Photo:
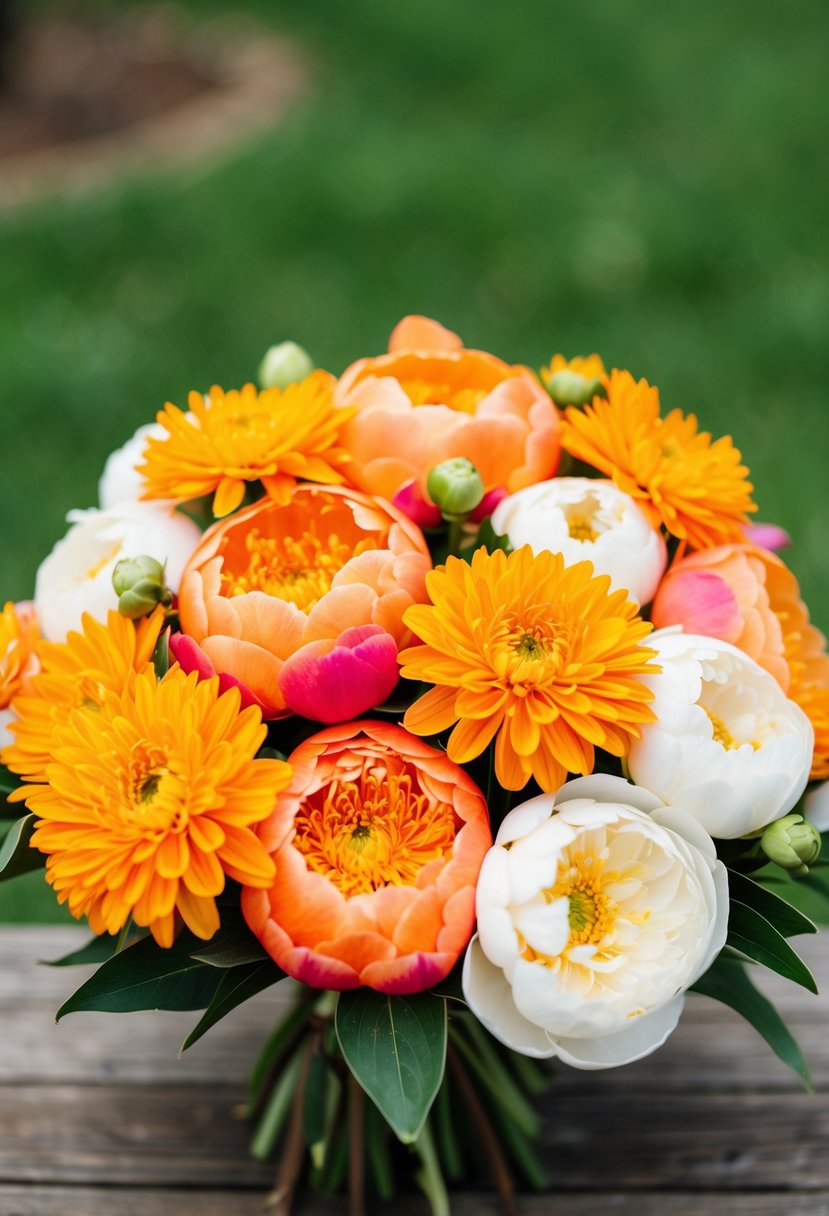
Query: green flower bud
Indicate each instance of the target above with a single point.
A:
(139, 585)
(793, 843)
(284, 364)
(570, 388)
(455, 487)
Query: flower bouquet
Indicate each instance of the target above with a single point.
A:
(466, 698)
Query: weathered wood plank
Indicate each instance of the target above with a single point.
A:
(126, 1136)
(712, 1050)
(83, 1201)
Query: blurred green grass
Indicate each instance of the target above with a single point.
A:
(648, 181)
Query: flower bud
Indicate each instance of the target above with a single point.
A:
(455, 487)
(567, 387)
(793, 843)
(139, 585)
(284, 364)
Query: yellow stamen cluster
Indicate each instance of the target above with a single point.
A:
(297, 570)
(378, 829)
(430, 392)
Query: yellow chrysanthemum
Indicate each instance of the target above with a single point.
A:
(149, 805)
(539, 653)
(697, 489)
(236, 437)
(76, 673)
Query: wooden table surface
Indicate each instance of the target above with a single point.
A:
(98, 1115)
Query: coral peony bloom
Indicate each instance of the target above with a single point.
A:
(76, 674)
(727, 745)
(231, 438)
(586, 519)
(597, 908)
(430, 399)
(747, 596)
(149, 805)
(697, 489)
(76, 577)
(540, 654)
(273, 579)
(19, 634)
(377, 843)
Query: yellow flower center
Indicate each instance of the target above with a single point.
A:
(430, 392)
(581, 528)
(98, 566)
(532, 648)
(152, 799)
(591, 912)
(375, 831)
(299, 571)
(722, 735)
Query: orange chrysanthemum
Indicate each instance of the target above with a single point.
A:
(697, 489)
(538, 652)
(149, 805)
(805, 649)
(18, 635)
(76, 673)
(236, 437)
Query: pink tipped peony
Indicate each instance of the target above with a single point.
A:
(332, 680)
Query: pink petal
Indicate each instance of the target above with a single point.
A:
(699, 601)
(488, 503)
(768, 536)
(336, 681)
(412, 502)
(190, 657)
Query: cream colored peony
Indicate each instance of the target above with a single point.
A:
(727, 744)
(597, 908)
(76, 577)
(120, 480)
(585, 519)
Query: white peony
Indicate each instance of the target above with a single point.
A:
(120, 480)
(597, 908)
(587, 519)
(76, 577)
(816, 806)
(728, 745)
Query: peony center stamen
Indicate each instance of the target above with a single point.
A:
(722, 735)
(375, 831)
(591, 911)
(299, 570)
(433, 392)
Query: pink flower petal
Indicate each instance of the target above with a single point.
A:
(488, 503)
(335, 681)
(699, 601)
(190, 657)
(768, 536)
(410, 500)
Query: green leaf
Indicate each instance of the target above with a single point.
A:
(96, 950)
(230, 947)
(146, 976)
(757, 938)
(787, 920)
(236, 985)
(396, 1048)
(16, 853)
(727, 981)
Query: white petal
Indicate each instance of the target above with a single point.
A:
(603, 787)
(816, 806)
(489, 996)
(520, 821)
(639, 1038)
(544, 926)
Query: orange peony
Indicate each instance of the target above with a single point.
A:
(429, 399)
(747, 596)
(272, 582)
(377, 842)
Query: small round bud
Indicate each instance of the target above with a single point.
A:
(567, 387)
(284, 364)
(455, 487)
(139, 584)
(793, 843)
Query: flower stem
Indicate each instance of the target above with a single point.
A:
(489, 1140)
(454, 536)
(429, 1177)
(356, 1149)
(281, 1198)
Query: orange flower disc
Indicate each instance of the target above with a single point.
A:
(378, 842)
(273, 578)
(539, 654)
(696, 488)
(430, 399)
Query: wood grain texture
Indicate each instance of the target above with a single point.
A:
(98, 1115)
